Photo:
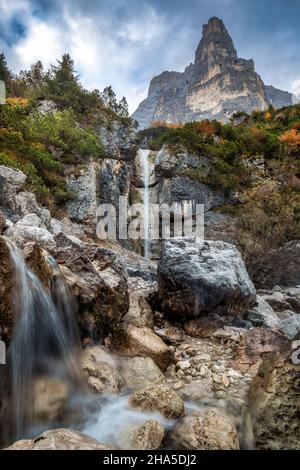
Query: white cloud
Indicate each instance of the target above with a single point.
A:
(296, 87)
(103, 55)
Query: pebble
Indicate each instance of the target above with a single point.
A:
(183, 365)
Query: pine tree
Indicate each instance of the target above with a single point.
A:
(63, 85)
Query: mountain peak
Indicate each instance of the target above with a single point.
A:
(216, 47)
(216, 86)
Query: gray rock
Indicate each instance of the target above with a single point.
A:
(26, 203)
(290, 324)
(196, 276)
(167, 163)
(24, 232)
(11, 182)
(182, 188)
(82, 208)
(262, 314)
(46, 106)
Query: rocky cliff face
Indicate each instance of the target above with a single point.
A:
(216, 85)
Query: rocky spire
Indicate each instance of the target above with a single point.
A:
(216, 48)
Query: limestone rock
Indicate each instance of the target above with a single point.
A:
(11, 182)
(101, 370)
(82, 208)
(160, 398)
(131, 341)
(98, 279)
(6, 283)
(262, 314)
(140, 372)
(31, 228)
(195, 276)
(60, 439)
(207, 429)
(290, 324)
(274, 404)
(146, 436)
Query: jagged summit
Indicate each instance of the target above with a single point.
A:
(216, 85)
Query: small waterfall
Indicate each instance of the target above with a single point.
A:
(45, 343)
(144, 155)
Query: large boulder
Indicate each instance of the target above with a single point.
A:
(207, 429)
(160, 398)
(195, 276)
(60, 439)
(274, 404)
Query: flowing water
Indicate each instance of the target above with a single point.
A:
(144, 156)
(45, 343)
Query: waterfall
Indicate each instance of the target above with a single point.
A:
(144, 155)
(45, 343)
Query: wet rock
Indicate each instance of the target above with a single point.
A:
(146, 436)
(194, 277)
(61, 439)
(50, 400)
(101, 370)
(131, 341)
(160, 398)
(139, 372)
(274, 404)
(2, 222)
(6, 284)
(207, 429)
(262, 314)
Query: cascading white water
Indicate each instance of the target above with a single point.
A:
(44, 343)
(144, 156)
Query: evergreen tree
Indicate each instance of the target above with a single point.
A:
(63, 85)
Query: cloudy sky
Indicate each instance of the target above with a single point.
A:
(126, 42)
